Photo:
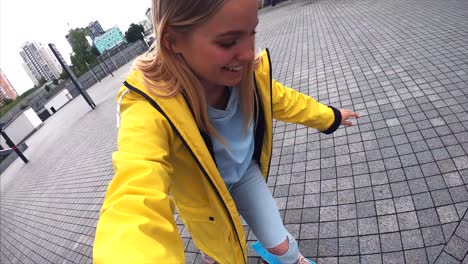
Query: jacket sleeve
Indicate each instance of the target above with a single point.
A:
(294, 107)
(136, 224)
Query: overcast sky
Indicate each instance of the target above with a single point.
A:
(48, 21)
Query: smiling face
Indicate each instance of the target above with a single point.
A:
(221, 48)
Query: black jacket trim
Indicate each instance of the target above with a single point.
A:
(271, 108)
(259, 126)
(205, 136)
(336, 123)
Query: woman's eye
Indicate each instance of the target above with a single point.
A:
(230, 44)
(227, 45)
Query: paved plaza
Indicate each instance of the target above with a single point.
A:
(391, 190)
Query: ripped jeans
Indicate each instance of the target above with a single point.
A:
(257, 206)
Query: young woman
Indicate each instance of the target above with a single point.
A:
(196, 131)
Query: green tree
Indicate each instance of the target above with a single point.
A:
(55, 82)
(64, 75)
(47, 88)
(78, 66)
(134, 33)
(82, 52)
(95, 51)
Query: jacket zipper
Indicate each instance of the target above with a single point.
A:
(155, 105)
(271, 108)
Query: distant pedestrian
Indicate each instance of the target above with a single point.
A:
(196, 132)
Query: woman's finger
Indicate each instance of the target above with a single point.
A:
(354, 114)
(350, 113)
(347, 123)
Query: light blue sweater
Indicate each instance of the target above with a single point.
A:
(233, 158)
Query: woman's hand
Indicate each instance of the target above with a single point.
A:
(345, 114)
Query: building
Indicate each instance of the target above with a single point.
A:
(109, 39)
(6, 89)
(149, 16)
(94, 30)
(40, 61)
(146, 26)
(32, 75)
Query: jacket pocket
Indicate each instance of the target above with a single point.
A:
(200, 223)
(208, 232)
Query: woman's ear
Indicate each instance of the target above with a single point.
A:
(171, 41)
(166, 40)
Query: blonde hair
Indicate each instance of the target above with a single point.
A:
(166, 73)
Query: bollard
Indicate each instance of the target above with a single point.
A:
(12, 145)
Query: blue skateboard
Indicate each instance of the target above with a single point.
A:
(267, 256)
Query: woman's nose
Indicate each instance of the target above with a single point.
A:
(246, 51)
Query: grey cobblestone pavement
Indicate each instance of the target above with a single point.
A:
(391, 190)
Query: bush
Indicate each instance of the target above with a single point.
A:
(4, 109)
(7, 101)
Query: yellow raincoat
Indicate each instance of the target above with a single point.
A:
(161, 151)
